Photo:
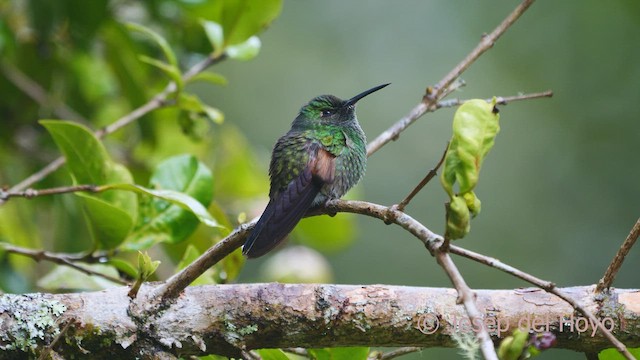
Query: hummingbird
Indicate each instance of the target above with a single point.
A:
(320, 158)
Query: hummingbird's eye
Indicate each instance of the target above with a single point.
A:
(326, 113)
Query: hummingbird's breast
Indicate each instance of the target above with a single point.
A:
(349, 147)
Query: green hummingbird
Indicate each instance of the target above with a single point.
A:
(320, 158)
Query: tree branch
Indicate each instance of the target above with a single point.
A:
(229, 319)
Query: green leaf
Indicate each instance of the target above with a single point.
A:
(475, 127)
(272, 354)
(123, 266)
(246, 50)
(193, 105)
(110, 214)
(215, 34)
(613, 354)
(216, 116)
(210, 77)
(513, 346)
(172, 68)
(183, 200)
(146, 266)
(341, 353)
(108, 224)
(158, 39)
(241, 19)
(171, 71)
(182, 188)
(473, 203)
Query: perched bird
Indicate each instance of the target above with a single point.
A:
(323, 155)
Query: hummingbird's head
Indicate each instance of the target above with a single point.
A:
(331, 109)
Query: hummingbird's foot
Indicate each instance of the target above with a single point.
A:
(391, 214)
(328, 205)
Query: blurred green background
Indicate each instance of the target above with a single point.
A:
(560, 188)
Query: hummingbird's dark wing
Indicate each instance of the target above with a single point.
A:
(288, 206)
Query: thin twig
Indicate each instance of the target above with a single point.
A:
(31, 193)
(500, 100)
(433, 172)
(38, 94)
(435, 94)
(156, 102)
(617, 261)
(61, 259)
(548, 287)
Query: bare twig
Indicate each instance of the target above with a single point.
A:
(61, 259)
(433, 172)
(31, 193)
(37, 93)
(617, 261)
(155, 103)
(500, 100)
(435, 94)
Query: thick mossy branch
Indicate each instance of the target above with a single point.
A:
(226, 319)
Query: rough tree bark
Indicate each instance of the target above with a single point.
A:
(224, 319)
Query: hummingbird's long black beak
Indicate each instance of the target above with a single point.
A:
(355, 99)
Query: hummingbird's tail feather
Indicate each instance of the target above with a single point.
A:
(282, 214)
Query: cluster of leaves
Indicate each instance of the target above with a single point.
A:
(475, 126)
(99, 60)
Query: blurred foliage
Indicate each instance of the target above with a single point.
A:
(89, 64)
